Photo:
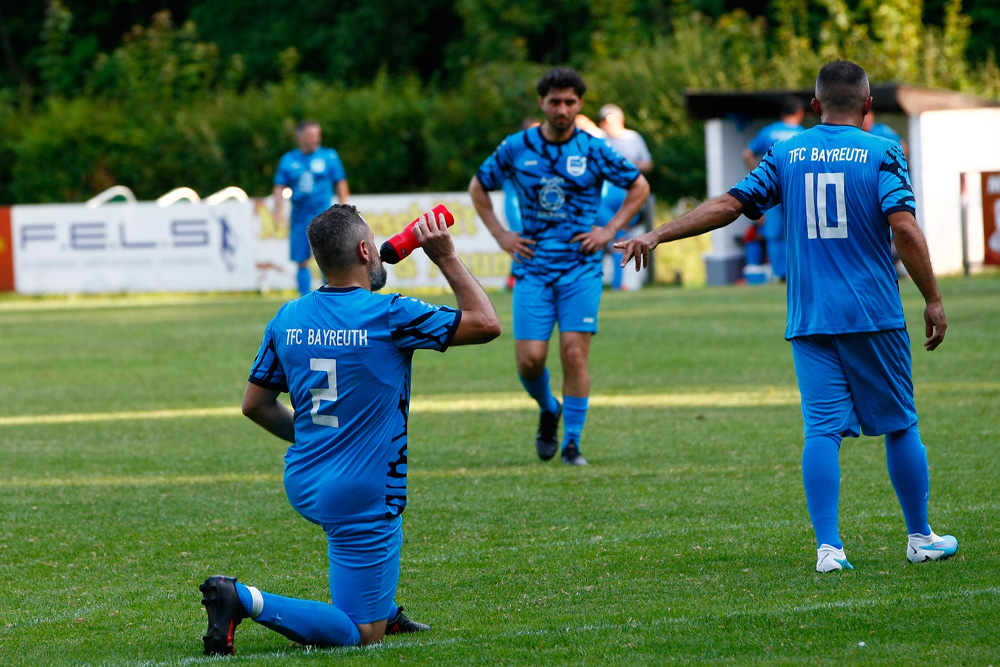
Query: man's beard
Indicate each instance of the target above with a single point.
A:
(377, 274)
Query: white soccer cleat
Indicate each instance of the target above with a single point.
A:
(930, 547)
(830, 559)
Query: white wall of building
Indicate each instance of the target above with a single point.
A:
(943, 144)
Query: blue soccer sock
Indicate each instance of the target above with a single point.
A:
(821, 478)
(906, 458)
(303, 621)
(304, 279)
(574, 416)
(540, 390)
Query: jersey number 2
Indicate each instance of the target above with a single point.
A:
(328, 393)
(817, 217)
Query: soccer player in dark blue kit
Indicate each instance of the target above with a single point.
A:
(845, 193)
(557, 172)
(313, 172)
(343, 354)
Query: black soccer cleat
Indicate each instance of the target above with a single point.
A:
(571, 455)
(403, 624)
(225, 611)
(546, 440)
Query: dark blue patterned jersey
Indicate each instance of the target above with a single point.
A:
(837, 185)
(343, 355)
(559, 190)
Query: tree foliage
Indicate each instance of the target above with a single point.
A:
(414, 96)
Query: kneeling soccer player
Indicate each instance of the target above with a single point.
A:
(343, 353)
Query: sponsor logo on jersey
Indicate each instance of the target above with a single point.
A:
(551, 197)
(576, 165)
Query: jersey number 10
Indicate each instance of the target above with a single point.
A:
(817, 217)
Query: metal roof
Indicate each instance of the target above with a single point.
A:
(888, 98)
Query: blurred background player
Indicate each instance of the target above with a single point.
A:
(843, 190)
(557, 172)
(883, 130)
(772, 227)
(343, 353)
(633, 148)
(313, 173)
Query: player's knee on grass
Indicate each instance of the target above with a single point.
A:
(372, 633)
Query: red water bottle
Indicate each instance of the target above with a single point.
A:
(401, 245)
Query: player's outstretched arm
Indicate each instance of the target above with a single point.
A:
(595, 240)
(712, 214)
(512, 243)
(912, 248)
(479, 323)
(262, 406)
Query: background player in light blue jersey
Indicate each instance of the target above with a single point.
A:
(844, 192)
(772, 226)
(343, 354)
(557, 172)
(313, 173)
(883, 130)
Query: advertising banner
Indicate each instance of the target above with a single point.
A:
(133, 247)
(6, 252)
(231, 246)
(386, 215)
(991, 217)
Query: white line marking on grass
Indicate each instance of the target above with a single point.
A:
(453, 403)
(137, 415)
(729, 398)
(133, 480)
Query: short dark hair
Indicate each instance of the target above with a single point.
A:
(303, 124)
(791, 105)
(561, 77)
(842, 86)
(334, 235)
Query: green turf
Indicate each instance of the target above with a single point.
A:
(686, 541)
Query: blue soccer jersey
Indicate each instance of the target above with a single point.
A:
(771, 134)
(343, 355)
(312, 179)
(836, 184)
(883, 130)
(559, 190)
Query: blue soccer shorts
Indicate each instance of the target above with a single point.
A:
(855, 380)
(298, 241)
(572, 300)
(364, 567)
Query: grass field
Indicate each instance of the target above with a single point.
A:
(129, 475)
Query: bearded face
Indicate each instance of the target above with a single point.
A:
(376, 272)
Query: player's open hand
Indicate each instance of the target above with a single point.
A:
(516, 245)
(936, 324)
(639, 248)
(433, 236)
(594, 240)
